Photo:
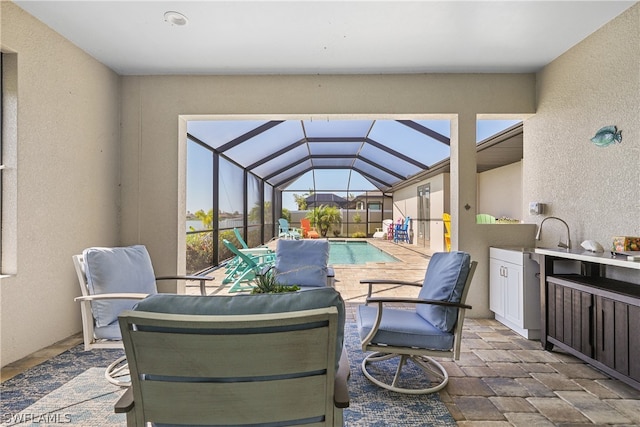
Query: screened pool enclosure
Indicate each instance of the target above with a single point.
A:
(246, 174)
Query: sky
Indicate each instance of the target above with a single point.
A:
(200, 168)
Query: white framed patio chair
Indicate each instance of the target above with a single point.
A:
(432, 328)
(246, 360)
(113, 280)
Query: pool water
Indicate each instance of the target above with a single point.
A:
(343, 252)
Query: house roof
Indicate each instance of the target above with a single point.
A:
(322, 198)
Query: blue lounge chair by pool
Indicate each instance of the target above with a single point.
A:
(241, 276)
(401, 233)
(286, 232)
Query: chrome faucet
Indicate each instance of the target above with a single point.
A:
(560, 244)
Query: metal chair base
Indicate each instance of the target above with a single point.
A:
(117, 373)
(427, 364)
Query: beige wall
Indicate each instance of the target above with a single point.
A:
(500, 191)
(67, 180)
(595, 189)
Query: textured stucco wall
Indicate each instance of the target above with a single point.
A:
(595, 189)
(67, 180)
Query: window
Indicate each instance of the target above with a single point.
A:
(8, 160)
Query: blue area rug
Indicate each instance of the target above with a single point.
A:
(70, 389)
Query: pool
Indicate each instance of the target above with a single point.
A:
(357, 252)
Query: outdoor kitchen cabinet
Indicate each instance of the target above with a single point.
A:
(514, 295)
(593, 317)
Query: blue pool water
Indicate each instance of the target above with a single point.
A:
(343, 252)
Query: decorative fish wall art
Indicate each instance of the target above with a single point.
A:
(606, 136)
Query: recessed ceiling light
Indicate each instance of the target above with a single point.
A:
(175, 18)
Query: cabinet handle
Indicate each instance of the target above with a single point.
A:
(602, 323)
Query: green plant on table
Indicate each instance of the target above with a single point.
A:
(268, 284)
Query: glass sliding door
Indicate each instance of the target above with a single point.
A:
(423, 220)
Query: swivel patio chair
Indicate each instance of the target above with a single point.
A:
(432, 329)
(113, 280)
(286, 232)
(251, 360)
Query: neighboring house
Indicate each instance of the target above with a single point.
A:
(326, 199)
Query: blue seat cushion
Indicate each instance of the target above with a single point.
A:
(249, 304)
(117, 270)
(402, 328)
(444, 281)
(302, 262)
(110, 332)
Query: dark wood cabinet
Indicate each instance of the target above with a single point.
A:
(595, 318)
(570, 317)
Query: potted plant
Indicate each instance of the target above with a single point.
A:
(268, 284)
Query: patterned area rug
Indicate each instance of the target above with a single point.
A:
(70, 389)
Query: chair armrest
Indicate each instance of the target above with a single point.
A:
(340, 389)
(390, 282)
(201, 279)
(125, 403)
(193, 278)
(372, 282)
(110, 296)
(380, 300)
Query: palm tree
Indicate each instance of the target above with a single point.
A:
(323, 217)
(206, 218)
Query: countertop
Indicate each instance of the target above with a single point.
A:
(596, 257)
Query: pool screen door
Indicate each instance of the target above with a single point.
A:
(423, 215)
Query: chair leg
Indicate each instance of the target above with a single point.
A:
(117, 373)
(430, 366)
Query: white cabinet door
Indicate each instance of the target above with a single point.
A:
(496, 287)
(512, 275)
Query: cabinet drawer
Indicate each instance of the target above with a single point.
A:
(514, 257)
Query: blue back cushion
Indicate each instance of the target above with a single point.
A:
(249, 304)
(302, 262)
(117, 270)
(444, 281)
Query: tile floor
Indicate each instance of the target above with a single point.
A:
(501, 378)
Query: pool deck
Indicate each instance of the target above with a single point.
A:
(412, 266)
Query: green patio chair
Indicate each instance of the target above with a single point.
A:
(286, 232)
(261, 250)
(485, 219)
(247, 270)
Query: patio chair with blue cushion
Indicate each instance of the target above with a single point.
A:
(113, 280)
(246, 360)
(286, 232)
(433, 328)
(303, 263)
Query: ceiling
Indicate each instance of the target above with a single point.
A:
(331, 37)
(325, 37)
